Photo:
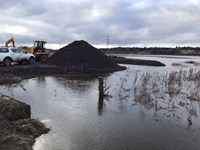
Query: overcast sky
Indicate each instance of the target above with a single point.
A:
(127, 22)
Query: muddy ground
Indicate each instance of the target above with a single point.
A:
(44, 69)
(123, 60)
(17, 130)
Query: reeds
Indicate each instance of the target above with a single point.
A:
(169, 89)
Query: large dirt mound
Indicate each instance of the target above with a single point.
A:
(80, 55)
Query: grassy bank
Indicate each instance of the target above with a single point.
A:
(18, 130)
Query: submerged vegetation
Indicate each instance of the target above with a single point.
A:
(171, 91)
(173, 86)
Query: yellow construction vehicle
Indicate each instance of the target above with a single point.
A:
(11, 40)
(39, 50)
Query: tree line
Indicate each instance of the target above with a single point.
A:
(153, 50)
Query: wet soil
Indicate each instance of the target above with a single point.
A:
(44, 69)
(17, 130)
(123, 60)
(47, 69)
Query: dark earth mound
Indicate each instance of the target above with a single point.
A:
(80, 55)
(123, 60)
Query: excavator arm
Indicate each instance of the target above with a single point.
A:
(11, 40)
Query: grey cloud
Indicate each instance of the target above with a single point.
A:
(127, 22)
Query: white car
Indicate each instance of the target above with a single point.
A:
(13, 54)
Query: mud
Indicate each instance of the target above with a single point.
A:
(49, 69)
(123, 60)
(44, 69)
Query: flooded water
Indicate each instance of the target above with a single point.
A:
(126, 119)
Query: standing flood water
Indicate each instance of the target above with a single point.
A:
(71, 108)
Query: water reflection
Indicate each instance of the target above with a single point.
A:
(41, 79)
(100, 105)
(101, 96)
(79, 85)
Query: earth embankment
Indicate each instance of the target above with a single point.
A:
(17, 130)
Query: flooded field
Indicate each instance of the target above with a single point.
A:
(145, 108)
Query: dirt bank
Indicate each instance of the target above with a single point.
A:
(44, 69)
(47, 69)
(123, 60)
(17, 130)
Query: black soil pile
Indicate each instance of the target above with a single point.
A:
(80, 56)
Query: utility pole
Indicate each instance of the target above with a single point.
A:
(107, 41)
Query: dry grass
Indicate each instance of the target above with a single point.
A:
(22, 132)
(14, 109)
(31, 127)
(142, 93)
(23, 135)
(15, 141)
(168, 90)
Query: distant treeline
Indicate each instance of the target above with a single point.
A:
(153, 50)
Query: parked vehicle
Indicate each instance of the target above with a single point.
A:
(13, 54)
(38, 49)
